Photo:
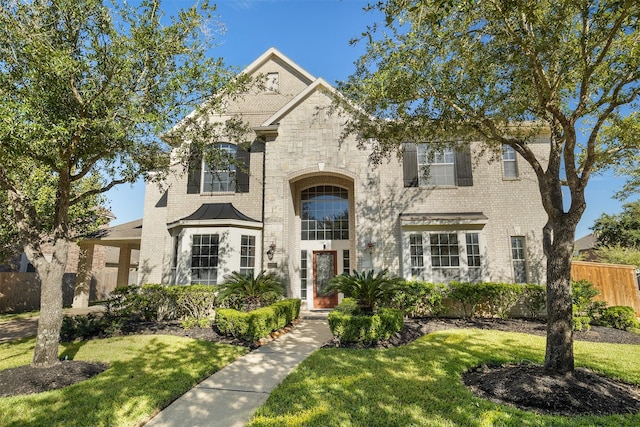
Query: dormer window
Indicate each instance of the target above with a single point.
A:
(273, 82)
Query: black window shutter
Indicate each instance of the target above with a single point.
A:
(194, 173)
(410, 165)
(242, 174)
(464, 173)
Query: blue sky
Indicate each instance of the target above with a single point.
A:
(315, 34)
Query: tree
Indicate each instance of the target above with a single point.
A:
(622, 229)
(85, 88)
(500, 72)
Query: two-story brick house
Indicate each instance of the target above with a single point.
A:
(313, 206)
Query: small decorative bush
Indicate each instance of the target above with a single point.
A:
(500, 298)
(369, 289)
(365, 329)
(256, 324)
(248, 293)
(194, 301)
(534, 299)
(348, 306)
(585, 309)
(619, 317)
(82, 327)
(420, 299)
(470, 295)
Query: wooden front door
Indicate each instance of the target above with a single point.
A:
(324, 269)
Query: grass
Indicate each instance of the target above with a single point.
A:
(146, 373)
(13, 316)
(420, 384)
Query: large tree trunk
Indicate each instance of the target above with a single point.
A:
(51, 275)
(559, 352)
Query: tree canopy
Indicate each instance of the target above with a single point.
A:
(87, 89)
(500, 72)
(621, 229)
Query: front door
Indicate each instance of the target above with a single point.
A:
(324, 269)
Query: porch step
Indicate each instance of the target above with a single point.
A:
(314, 314)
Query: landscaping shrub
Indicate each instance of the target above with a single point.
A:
(249, 292)
(500, 297)
(369, 289)
(150, 302)
(420, 299)
(194, 301)
(585, 309)
(619, 317)
(82, 326)
(470, 295)
(348, 306)
(365, 329)
(256, 324)
(534, 299)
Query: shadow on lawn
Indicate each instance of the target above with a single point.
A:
(418, 384)
(138, 382)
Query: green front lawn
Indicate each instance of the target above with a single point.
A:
(146, 373)
(420, 384)
(13, 316)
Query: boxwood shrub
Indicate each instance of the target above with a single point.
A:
(619, 317)
(365, 329)
(256, 324)
(420, 299)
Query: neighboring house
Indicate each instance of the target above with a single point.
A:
(312, 206)
(585, 248)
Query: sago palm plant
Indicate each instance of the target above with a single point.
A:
(369, 289)
(252, 291)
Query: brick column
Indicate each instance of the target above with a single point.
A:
(124, 266)
(83, 277)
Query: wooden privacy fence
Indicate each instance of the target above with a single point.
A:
(21, 291)
(618, 284)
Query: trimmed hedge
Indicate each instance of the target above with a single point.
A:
(619, 317)
(420, 299)
(258, 323)
(363, 329)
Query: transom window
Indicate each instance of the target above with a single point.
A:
(223, 177)
(204, 259)
(436, 168)
(325, 213)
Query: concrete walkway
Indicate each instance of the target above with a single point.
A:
(23, 328)
(230, 396)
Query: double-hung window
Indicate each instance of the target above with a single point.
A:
(204, 259)
(509, 162)
(424, 166)
(445, 256)
(221, 178)
(436, 168)
(247, 255)
(519, 259)
(227, 174)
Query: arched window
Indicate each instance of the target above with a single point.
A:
(325, 213)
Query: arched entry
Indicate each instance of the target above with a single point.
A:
(325, 220)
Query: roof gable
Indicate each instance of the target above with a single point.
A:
(273, 54)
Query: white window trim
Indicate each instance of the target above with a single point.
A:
(514, 161)
(423, 149)
(232, 168)
(428, 275)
